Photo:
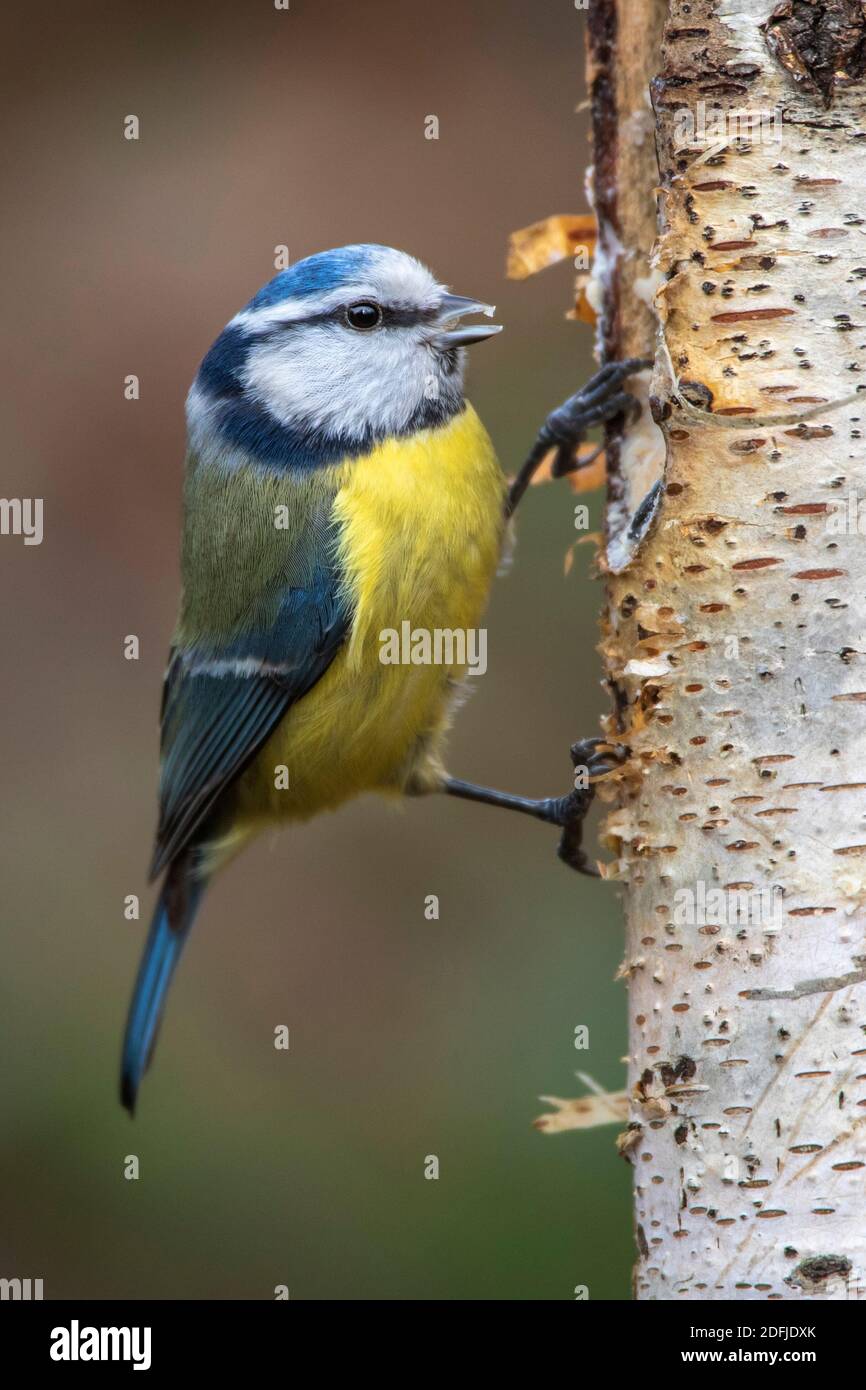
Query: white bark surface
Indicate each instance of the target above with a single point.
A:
(736, 642)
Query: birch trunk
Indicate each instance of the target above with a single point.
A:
(735, 633)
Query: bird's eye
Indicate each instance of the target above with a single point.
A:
(364, 315)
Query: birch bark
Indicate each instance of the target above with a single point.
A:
(735, 633)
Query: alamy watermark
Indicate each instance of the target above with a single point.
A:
(22, 516)
(703, 906)
(21, 1290)
(77, 1343)
(438, 646)
(716, 128)
(846, 516)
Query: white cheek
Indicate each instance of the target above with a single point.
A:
(201, 417)
(336, 381)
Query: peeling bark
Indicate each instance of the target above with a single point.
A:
(735, 635)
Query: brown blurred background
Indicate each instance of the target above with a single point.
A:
(408, 1037)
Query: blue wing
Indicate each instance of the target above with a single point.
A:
(221, 704)
(264, 613)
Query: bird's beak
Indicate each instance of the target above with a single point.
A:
(454, 306)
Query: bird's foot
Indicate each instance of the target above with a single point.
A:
(591, 758)
(565, 428)
(599, 400)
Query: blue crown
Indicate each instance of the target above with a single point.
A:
(318, 274)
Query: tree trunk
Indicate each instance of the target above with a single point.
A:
(735, 632)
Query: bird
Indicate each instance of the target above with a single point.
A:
(337, 485)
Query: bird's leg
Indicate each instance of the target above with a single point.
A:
(591, 757)
(565, 428)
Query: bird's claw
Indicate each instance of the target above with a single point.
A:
(592, 757)
(598, 401)
(597, 755)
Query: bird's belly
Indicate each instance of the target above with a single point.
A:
(421, 529)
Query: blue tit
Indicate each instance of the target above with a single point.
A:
(337, 485)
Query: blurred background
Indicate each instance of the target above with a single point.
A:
(409, 1037)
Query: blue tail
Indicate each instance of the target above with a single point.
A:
(175, 912)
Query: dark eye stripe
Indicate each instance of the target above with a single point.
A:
(393, 316)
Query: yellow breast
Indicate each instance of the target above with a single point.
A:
(420, 523)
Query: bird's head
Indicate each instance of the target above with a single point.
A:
(334, 354)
